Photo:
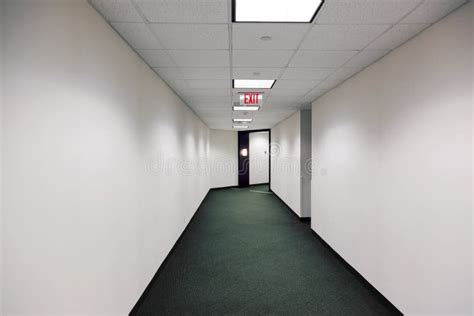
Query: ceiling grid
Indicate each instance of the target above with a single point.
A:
(194, 46)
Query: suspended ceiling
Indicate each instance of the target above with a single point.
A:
(194, 46)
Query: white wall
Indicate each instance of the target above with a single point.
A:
(285, 166)
(472, 167)
(1, 152)
(291, 161)
(98, 155)
(223, 158)
(258, 154)
(392, 152)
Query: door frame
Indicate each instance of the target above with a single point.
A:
(244, 162)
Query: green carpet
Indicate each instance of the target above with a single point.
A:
(244, 253)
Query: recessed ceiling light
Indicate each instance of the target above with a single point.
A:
(253, 84)
(275, 10)
(242, 120)
(241, 126)
(265, 38)
(245, 108)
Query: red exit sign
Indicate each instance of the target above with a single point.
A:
(251, 98)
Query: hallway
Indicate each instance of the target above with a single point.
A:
(236, 157)
(246, 253)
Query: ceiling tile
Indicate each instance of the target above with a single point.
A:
(207, 100)
(345, 72)
(206, 73)
(192, 36)
(226, 126)
(261, 58)
(169, 73)
(329, 83)
(314, 94)
(223, 113)
(432, 10)
(342, 37)
(197, 61)
(138, 35)
(283, 35)
(270, 110)
(274, 111)
(216, 120)
(290, 92)
(365, 11)
(396, 36)
(156, 58)
(244, 114)
(218, 123)
(209, 84)
(222, 108)
(306, 73)
(236, 96)
(266, 120)
(177, 84)
(184, 11)
(256, 73)
(269, 122)
(212, 114)
(117, 10)
(280, 102)
(206, 92)
(200, 58)
(323, 59)
(295, 84)
(216, 117)
(283, 112)
(365, 58)
(283, 99)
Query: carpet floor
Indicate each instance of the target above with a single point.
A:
(244, 253)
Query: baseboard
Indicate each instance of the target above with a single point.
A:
(353, 271)
(359, 276)
(303, 219)
(165, 261)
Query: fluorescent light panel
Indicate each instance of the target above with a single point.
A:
(241, 126)
(245, 108)
(242, 120)
(276, 10)
(253, 84)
